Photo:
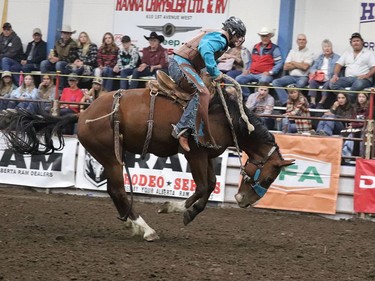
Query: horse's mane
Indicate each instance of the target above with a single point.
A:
(260, 133)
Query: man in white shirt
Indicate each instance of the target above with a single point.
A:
(359, 66)
(297, 63)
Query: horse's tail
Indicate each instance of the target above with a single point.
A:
(31, 133)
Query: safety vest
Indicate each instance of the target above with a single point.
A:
(189, 50)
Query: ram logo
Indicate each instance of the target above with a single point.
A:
(94, 171)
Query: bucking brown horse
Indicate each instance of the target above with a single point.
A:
(103, 126)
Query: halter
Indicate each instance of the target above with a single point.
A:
(254, 182)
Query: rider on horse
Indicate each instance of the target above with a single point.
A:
(201, 52)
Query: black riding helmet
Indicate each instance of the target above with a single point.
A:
(234, 26)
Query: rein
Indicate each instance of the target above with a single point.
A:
(256, 186)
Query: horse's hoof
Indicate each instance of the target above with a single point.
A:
(164, 208)
(151, 237)
(187, 218)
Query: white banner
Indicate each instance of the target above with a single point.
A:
(367, 23)
(165, 176)
(48, 171)
(176, 20)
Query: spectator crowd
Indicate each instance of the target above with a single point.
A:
(299, 83)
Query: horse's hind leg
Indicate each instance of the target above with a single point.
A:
(116, 190)
(202, 194)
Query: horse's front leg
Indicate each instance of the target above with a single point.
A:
(116, 190)
(202, 193)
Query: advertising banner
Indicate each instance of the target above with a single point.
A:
(164, 176)
(311, 183)
(49, 171)
(176, 20)
(364, 186)
(367, 23)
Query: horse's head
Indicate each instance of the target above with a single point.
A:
(259, 172)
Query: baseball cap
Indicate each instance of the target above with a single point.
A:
(125, 39)
(7, 25)
(356, 35)
(72, 77)
(97, 80)
(37, 30)
(6, 74)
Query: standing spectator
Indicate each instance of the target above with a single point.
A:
(154, 58)
(11, 50)
(265, 62)
(234, 61)
(359, 66)
(323, 68)
(26, 91)
(261, 102)
(297, 105)
(64, 52)
(36, 52)
(6, 88)
(297, 63)
(107, 59)
(86, 56)
(341, 108)
(128, 58)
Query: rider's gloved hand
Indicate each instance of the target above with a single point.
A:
(219, 78)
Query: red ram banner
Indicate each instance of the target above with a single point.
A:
(364, 186)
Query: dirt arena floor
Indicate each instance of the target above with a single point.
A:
(65, 237)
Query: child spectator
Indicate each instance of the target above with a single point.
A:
(85, 60)
(47, 91)
(95, 91)
(128, 60)
(297, 105)
(261, 102)
(106, 60)
(341, 108)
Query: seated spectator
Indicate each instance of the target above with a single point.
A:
(128, 59)
(106, 60)
(6, 88)
(95, 91)
(297, 105)
(11, 50)
(265, 62)
(27, 91)
(355, 129)
(64, 52)
(234, 61)
(359, 66)
(85, 60)
(36, 52)
(342, 108)
(297, 63)
(154, 58)
(261, 102)
(47, 91)
(321, 72)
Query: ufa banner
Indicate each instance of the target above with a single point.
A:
(176, 20)
(49, 171)
(311, 183)
(163, 176)
(364, 186)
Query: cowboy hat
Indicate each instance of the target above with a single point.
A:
(154, 35)
(266, 31)
(66, 28)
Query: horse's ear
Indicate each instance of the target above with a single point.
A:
(285, 163)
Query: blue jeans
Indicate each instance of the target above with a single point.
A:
(330, 127)
(354, 83)
(8, 64)
(124, 83)
(313, 84)
(300, 81)
(248, 78)
(46, 66)
(138, 74)
(107, 83)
